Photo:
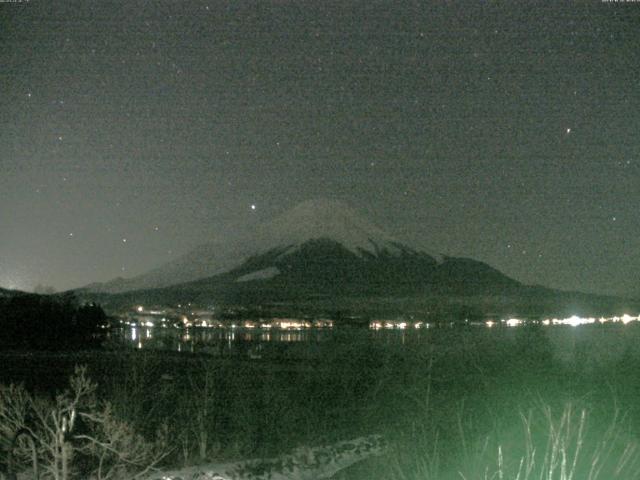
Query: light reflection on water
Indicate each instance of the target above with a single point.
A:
(255, 341)
(245, 341)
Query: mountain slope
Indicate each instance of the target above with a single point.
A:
(322, 256)
(319, 249)
(325, 268)
(6, 293)
(310, 220)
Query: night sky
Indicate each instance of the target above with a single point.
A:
(131, 132)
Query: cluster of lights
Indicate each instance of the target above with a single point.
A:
(400, 324)
(513, 322)
(145, 323)
(396, 324)
(573, 321)
(288, 324)
(207, 322)
(141, 309)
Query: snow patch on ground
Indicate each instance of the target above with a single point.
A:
(302, 463)
(263, 274)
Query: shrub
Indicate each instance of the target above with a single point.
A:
(74, 434)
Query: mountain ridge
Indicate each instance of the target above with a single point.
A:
(322, 256)
(310, 220)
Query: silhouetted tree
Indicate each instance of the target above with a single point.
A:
(49, 322)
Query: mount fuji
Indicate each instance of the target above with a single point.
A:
(320, 248)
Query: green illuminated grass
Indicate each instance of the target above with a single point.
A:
(521, 404)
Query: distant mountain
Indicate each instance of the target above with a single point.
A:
(322, 256)
(320, 248)
(311, 220)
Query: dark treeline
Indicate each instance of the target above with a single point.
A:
(49, 322)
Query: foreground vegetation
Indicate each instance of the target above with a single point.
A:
(460, 403)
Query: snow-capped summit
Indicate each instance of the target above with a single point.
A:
(324, 219)
(318, 219)
(319, 248)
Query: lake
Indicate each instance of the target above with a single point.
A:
(567, 340)
(454, 400)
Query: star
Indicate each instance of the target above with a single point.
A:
(124, 240)
(253, 207)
